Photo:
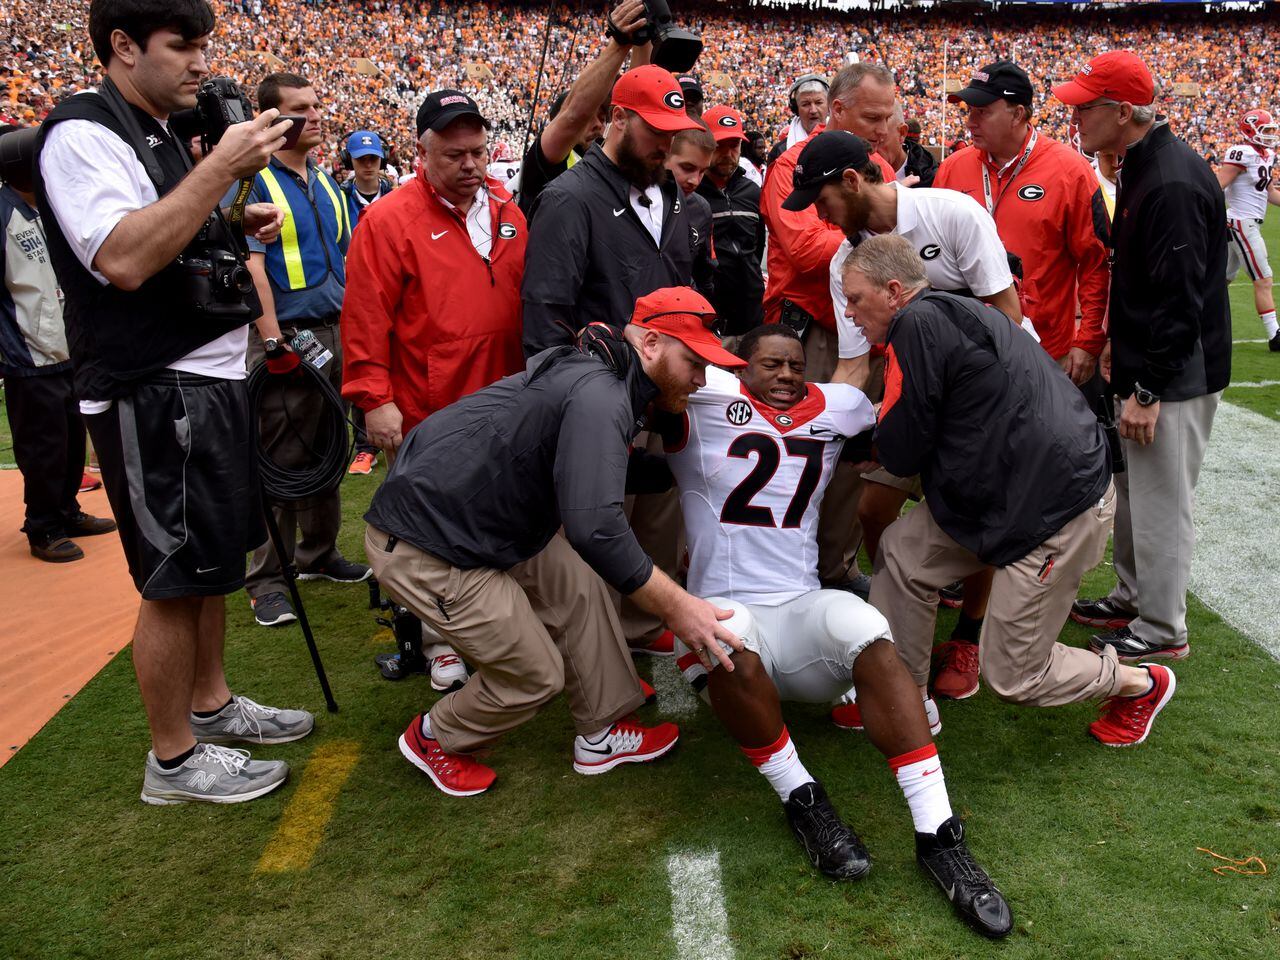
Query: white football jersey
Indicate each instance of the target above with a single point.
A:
(1247, 193)
(751, 479)
(505, 171)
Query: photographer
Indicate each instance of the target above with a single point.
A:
(159, 363)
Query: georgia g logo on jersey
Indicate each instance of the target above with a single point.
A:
(1031, 192)
(930, 251)
(738, 413)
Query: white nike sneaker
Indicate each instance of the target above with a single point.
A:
(626, 742)
(448, 673)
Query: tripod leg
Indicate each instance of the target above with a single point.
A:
(291, 578)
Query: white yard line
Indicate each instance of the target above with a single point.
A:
(1248, 341)
(675, 697)
(1257, 383)
(1234, 571)
(700, 924)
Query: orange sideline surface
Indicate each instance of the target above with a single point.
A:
(61, 622)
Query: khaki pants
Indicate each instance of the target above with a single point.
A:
(297, 408)
(544, 625)
(1019, 654)
(1155, 535)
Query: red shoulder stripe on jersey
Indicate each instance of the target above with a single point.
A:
(892, 381)
(798, 415)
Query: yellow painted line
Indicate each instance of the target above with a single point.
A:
(302, 827)
(382, 637)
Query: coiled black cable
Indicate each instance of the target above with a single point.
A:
(330, 452)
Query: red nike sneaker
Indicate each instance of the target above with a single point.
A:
(957, 676)
(847, 716)
(650, 694)
(663, 645)
(626, 742)
(455, 774)
(1126, 721)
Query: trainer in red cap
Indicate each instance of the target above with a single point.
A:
(1119, 75)
(725, 123)
(685, 314)
(654, 94)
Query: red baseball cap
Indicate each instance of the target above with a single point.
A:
(725, 123)
(1119, 75)
(685, 314)
(656, 95)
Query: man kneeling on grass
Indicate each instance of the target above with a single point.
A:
(753, 457)
(464, 534)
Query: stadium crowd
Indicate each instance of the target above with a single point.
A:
(640, 399)
(495, 50)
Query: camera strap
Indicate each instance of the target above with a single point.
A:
(120, 108)
(235, 215)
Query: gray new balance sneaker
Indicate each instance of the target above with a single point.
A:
(212, 774)
(243, 721)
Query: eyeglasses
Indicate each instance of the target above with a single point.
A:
(1099, 103)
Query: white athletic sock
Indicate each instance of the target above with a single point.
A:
(426, 727)
(1269, 323)
(920, 776)
(780, 765)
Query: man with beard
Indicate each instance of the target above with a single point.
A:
(464, 533)
(613, 228)
(578, 115)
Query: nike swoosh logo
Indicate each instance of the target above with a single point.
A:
(618, 213)
(1183, 247)
(951, 893)
(827, 173)
(437, 236)
(925, 773)
(1010, 93)
(819, 431)
(604, 753)
(207, 569)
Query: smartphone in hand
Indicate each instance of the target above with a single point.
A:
(294, 132)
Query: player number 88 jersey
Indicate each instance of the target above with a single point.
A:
(751, 480)
(1247, 193)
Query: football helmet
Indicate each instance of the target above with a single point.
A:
(1260, 129)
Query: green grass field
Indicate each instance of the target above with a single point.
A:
(1096, 849)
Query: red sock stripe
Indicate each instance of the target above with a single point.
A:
(915, 756)
(761, 755)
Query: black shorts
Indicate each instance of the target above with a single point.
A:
(178, 465)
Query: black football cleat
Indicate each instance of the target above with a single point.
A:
(1274, 344)
(833, 848)
(945, 857)
(1130, 648)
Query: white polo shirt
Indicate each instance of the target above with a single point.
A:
(954, 236)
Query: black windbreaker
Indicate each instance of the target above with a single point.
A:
(590, 257)
(1170, 319)
(1007, 448)
(739, 233)
(487, 481)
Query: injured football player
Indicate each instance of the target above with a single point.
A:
(752, 456)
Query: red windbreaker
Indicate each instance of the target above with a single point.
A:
(427, 320)
(1052, 215)
(800, 244)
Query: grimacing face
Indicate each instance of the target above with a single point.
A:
(774, 373)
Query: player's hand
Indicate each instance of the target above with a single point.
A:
(263, 221)
(910, 180)
(246, 147)
(1138, 423)
(1078, 364)
(382, 425)
(697, 624)
(1104, 362)
(628, 16)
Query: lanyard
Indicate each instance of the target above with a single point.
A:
(986, 176)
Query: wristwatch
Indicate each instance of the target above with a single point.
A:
(271, 344)
(1144, 396)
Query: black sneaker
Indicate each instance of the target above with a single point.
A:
(273, 610)
(859, 586)
(945, 857)
(1102, 613)
(339, 571)
(1274, 343)
(54, 547)
(83, 525)
(831, 845)
(1130, 647)
(952, 595)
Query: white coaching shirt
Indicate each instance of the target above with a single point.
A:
(751, 480)
(1247, 193)
(954, 236)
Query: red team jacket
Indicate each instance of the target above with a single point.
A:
(1053, 216)
(800, 244)
(427, 320)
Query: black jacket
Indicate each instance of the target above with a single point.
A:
(487, 481)
(1170, 320)
(739, 234)
(705, 268)
(590, 258)
(920, 162)
(1006, 446)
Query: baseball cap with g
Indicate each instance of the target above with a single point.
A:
(1119, 75)
(725, 123)
(442, 107)
(656, 95)
(686, 315)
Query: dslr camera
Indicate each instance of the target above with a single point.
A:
(674, 48)
(219, 103)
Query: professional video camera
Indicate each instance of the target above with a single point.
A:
(17, 157)
(674, 48)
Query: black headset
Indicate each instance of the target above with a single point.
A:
(800, 82)
(345, 157)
